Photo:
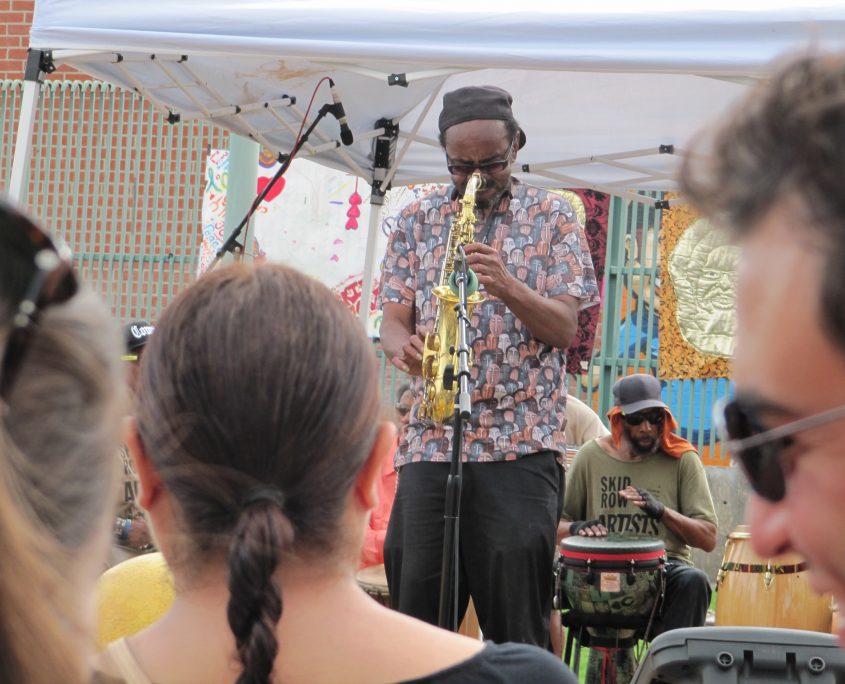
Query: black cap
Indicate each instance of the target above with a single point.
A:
(637, 392)
(136, 334)
(477, 102)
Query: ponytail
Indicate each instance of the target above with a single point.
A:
(255, 599)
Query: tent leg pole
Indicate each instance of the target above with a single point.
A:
(38, 62)
(376, 201)
(241, 191)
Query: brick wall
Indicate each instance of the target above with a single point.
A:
(121, 185)
(15, 21)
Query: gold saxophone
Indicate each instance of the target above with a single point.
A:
(440, 358)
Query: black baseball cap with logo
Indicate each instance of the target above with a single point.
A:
(136, 335)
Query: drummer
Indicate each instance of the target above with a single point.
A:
(642, 480)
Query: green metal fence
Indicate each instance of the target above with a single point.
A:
(120, 184)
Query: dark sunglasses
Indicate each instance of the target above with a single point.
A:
(486, 168)
(654, 417)
(51, 281)
(760, 450)
(402, 410)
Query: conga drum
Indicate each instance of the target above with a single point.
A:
(373, 580)
(767, 592)
(611, 583)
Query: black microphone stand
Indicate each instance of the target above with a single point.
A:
(448, 615)
(231, 243)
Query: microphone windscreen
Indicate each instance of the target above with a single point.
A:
(472, 282)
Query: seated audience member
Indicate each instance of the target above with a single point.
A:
(373, 552)
(643, 480)
(582, 424)
(258, 485)
(61, 402)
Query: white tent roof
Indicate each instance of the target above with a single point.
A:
(598, 90)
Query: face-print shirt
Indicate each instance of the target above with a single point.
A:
(517, 382)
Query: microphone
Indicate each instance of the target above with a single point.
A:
(340, 114)
(459, 263)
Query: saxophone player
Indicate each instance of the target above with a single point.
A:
(512, 459)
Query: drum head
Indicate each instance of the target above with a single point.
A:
(373, 576)
(611, 545)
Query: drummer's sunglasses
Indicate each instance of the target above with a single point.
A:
(758, 449)
(29, 253)
(655, 417)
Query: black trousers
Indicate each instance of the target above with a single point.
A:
(506, 543)
(687, 598)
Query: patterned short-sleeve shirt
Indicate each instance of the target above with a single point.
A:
(518, 382)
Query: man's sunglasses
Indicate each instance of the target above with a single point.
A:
(655, 417)
(760, 450)
(486, 168)
(30, 256)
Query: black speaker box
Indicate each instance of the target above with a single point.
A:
(742, 655)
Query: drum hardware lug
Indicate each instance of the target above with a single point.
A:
(720, 576)
(768, 576)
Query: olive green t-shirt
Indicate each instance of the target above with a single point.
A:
(595, 479)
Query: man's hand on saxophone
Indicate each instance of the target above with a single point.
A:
(491, 271)
(400, 344)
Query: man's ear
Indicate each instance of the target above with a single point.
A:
(148, 478)
(366, 486)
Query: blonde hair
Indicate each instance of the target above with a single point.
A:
(59, 432)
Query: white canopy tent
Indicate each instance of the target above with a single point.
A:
(607, 93)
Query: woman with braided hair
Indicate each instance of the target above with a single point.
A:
(258, 448)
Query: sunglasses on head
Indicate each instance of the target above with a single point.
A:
(51, 282)
(655, 417)
(486, 168)
(760, 450)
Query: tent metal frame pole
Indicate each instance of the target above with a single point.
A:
(376, 202)
(384, 157)
(38, 63)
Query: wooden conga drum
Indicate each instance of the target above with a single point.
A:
(767, 592)
(373, 580)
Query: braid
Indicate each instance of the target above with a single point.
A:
(255, 599)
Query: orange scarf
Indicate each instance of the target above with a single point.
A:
(669, 442)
